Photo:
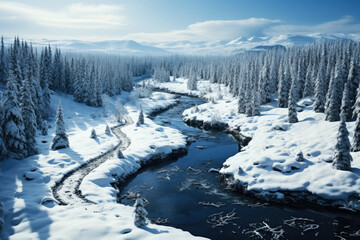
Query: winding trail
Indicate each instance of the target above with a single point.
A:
(67, 191)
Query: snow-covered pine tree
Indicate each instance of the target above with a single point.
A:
(141, 118)
(78, 84)
(345, 103)
(292, 114)
(107, 130)
(92, 99)
(13, 125)
(192, 82)
(241, 104)
(3, 63)
(127, 82)
(48, 66)
(93, 134)
(15, 74)
(60, 140)
(140, 213)
(264, 84)
(46, 109)
(335, 96)
(3, 150)
(284, 86)
(29, 118)
(44, 128)
(99, 92)
(353, 80)
(68, 76)
(255, 103)
(308, 87)
(342, 157)
(58, 71)
(320, 91)
(356, 138)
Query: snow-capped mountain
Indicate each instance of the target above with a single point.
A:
(123, 47)
(241, 44)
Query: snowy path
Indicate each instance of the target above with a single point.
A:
(66, 191)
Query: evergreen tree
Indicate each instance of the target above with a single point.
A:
(284, 87)
(3, 64)
(264, 84)
(107, 130)
(319, 105)
(127, 83)
(140, 213)
(93, 134)
(345, 103)
(356, 138)
(15, 71)
(342, 157)
(292, 114)
(241, 104)
(141, 118)
(335, 89)
(44, 128)
(3, 150)
(58, 72)
(353, 80)
(13, 125)
(60, 140)
(192, 83)
(92, 99)
(255, 103)
(46, 110)
(29, 118)
(308, 88)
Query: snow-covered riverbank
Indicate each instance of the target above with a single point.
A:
(31, 212)
(267, 167)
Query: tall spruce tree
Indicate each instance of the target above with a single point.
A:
(3, 150)
(29, 117)
(13, 125)
(284, 87)
(319, 105)
(60, 140)
(292, 113)
(342, 157)
(3, 64)
(335, 95)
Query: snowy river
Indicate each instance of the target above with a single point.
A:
(183, 193)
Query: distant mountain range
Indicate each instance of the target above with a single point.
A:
(233, 46)
(243, 44)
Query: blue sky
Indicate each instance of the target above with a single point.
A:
(163, 20)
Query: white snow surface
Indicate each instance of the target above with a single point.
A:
(31, 212)
(267, 164)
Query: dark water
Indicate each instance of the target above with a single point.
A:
(175, 190)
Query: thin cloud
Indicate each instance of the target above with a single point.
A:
(212, 30)
(251, 27)
(343, 26)
(75, 16)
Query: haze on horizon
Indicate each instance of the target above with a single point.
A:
(161, 20)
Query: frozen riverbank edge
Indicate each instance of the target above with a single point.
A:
(238, 171)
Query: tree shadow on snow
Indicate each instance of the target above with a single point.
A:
(24, 188)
